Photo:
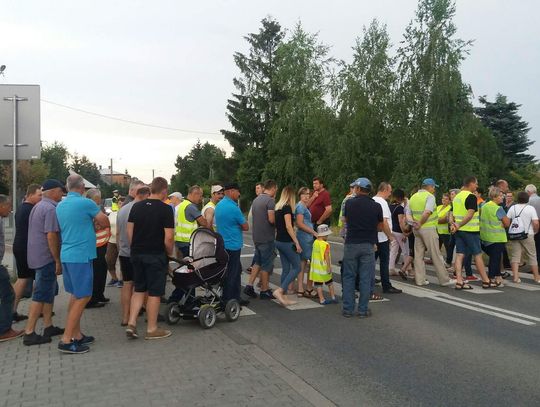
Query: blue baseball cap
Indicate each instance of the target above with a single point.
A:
(430, 181)
(363, 183)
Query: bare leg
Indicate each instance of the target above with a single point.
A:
(479, 263)
(515, 271)
(320, 293)
(265, 280)
(254, 273)
(125, 299)
(534, 270)
(47, 315)
(458, 265)
(137, 300)
(300, 276)
(152, 310)
(19, 288)
(332, 291)
(278, 293)
(73, 327)
(33, 315)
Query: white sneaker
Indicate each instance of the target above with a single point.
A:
(424, 283)
(452, 282)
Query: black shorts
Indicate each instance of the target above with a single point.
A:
(23, 271)
(150, 273)
(126, 268)
(319, 284)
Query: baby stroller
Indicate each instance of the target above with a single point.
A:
(205, 267)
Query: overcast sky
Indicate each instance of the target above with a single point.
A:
(170, 63)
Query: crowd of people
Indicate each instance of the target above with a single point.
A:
(63, 230)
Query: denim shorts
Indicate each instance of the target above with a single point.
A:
(78, 279)
(468, 243)
(45, 287)
(265, 253)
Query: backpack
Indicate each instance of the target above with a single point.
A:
(517, 230)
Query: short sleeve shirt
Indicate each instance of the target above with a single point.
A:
(21, 231)
(150, 218)
(301, 209)
(381, 236)
(527, 214)
(363, 216)
(319, 205)
(124, 249)
(263, 230)
(76, 220)
(192, 213)
(229, 220)
(396, 209)
(42, 220)
(282, 235)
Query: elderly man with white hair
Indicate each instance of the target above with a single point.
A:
(534, 201)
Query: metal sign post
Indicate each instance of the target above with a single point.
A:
(15, 100)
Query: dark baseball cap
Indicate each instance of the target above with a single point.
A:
(231, 185)
(51, 184)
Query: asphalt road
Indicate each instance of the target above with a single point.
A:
(429, 346)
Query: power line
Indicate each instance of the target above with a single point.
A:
(128, 121)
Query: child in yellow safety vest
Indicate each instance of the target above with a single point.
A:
(321, 265)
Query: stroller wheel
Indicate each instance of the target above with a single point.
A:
(173, 313)
(207, 316)
(232, 310)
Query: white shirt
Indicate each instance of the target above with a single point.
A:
(381, 236)
(527, 215)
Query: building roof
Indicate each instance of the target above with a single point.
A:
(107, 171)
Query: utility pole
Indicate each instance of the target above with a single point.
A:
(153, 174)
(111, 172)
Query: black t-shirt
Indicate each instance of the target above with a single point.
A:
(396, 210)
(363, 216)
(281, 229)
(149, 218)
(21, 223)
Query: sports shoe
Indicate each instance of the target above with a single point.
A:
(11, 334)
(52, 330)
(471, 278)
(250, 291)
(112, 282)
(158, 334)
(366, 314)
(85, 340)
(35, 339)
(131, 332)
(424, 283)
(392, 290)
(266, 295)
(451, 282)
(74, 347)
(19, 317)
(119, 284)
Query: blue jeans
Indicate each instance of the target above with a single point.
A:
(7, 297)
(358, 260)
(290, 263)
(232, 281)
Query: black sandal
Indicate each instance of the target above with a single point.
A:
(403, 275)
(310, 293)
(463, 286)
(489, 284)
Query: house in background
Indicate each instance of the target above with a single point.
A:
(118, 178)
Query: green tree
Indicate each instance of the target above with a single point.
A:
(252, 108)
(364, 93)
(203, 165)
(434, 114)
(56, 156)
(301, 132)
(86, 168)
(509, 129)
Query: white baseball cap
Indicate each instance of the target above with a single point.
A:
(176, 195)
(216, 188)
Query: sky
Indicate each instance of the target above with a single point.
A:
(170, 63)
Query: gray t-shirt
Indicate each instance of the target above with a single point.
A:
(263, 231)
(121, 229)
(42, 221)
(534, 201)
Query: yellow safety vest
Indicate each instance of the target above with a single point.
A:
(460, 212)
(210, 205)
(417, 205)
(442, 228)
(114, 205)
(184, 228)
(491, 228)
(319, 270)
(340, 220)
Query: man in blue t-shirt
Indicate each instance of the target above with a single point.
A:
(364, 219)
(76, 216)
(230, 224)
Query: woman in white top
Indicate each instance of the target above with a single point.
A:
(529, 219)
